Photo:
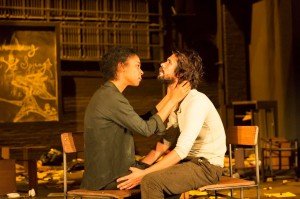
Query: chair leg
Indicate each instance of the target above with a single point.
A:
(263, 164)
(216, 195)
(242, 193)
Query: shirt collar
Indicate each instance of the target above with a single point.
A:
(111, 85)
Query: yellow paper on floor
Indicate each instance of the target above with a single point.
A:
(280, 195)
(197, 193)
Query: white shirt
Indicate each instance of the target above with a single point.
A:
(202, 132)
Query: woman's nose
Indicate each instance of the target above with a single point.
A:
(162, 65)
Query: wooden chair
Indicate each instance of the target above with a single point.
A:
(73, 143)
(238, 136)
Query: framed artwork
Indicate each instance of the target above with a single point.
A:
(29, 72)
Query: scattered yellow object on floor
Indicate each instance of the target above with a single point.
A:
(280, 195)
(197, 193)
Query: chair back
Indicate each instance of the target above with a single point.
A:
(243, 136)
(72, 142)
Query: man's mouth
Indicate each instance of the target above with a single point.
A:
(161, 72)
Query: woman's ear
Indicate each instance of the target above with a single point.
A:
(119, 71)
(120, 67)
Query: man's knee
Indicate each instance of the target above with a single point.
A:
(147, 179)
(150, 180)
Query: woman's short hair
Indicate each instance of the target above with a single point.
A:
(110, 61)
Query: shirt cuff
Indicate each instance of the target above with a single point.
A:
(147, 115)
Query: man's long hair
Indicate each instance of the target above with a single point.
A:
(189, 67)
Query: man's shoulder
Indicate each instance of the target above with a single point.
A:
(195, 94)
(195, 98)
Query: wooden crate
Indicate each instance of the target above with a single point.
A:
(280, 158)
(277, 143)
(282, 163)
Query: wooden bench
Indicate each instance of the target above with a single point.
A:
(73, 143)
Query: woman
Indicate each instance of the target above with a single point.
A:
(110, 120)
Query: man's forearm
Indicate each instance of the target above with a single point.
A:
(151, 157)
(154, 155)
(170, 159)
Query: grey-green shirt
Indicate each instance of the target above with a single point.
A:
(109, 146)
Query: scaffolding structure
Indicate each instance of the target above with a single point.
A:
(88, 28)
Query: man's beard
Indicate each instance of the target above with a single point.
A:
(166, 80)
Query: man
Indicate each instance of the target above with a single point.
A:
(200, 147)
(110, 120)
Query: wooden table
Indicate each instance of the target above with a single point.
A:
(29, 164)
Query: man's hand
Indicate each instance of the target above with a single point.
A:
(132, 180)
